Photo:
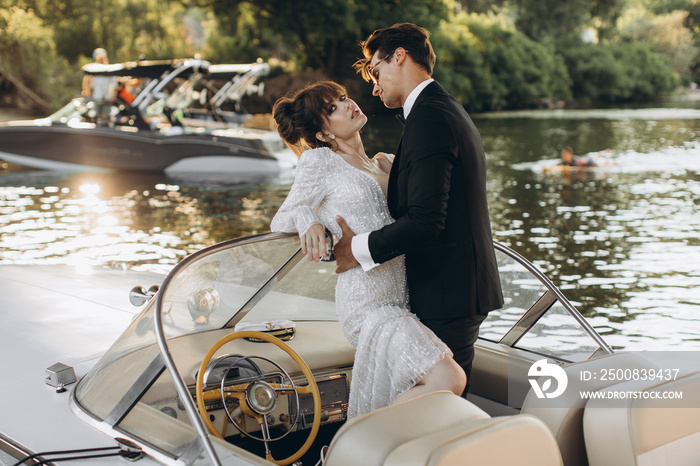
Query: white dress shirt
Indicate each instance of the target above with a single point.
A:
(360, 243)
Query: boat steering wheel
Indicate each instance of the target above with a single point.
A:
(258, 398)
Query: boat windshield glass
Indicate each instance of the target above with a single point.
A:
(250, 281)
(265, 280)
(256, 281)
(534, 318)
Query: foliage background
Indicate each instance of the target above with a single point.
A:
(492, 54)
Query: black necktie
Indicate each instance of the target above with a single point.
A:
(399, 116)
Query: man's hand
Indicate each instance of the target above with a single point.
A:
(343, 248)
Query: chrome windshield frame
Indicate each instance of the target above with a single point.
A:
(512, 336)
(235, 88)
(178, 380)
(530, 318)
(194, 66)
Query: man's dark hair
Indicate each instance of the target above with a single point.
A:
(415, 39)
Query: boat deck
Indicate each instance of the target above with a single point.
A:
(50, 314)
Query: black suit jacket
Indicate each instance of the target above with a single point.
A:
(437, 194)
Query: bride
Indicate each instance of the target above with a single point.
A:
(396, 356)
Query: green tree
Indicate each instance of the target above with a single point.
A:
(541, 19)
(489, 67)
(480, 6)
(321, 35)
(616, 73)
(665, 34)
(125, 28)
(555, 19)
(246, 44)
(28, 54)
(514, 54)
(604, 16)
(660, 7)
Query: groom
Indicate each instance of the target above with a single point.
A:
(436, 194)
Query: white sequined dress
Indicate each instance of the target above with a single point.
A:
(393, 349)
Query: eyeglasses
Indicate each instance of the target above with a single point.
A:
(372, 70)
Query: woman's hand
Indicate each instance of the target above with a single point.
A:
(313, 242)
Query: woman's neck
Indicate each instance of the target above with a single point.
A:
(352, 148)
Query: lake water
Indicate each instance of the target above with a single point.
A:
(621, 241)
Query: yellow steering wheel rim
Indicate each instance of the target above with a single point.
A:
(297, 359)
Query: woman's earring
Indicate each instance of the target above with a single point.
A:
(331, 136)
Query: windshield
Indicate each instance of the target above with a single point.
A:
(262, 280)
(251, 281)
(535, 316)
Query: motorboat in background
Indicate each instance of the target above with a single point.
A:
(185, 119)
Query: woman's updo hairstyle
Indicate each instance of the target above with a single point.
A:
(300, 115)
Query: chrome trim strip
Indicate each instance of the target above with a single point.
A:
(255, 299)
(113, 432)
(191, 452)
(14, 449)
(559, 295)
(137, 390)
(529, 319)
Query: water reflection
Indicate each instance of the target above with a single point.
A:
(135, 221)
(623, 242)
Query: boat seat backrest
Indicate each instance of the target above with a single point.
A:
(564, 415)
(644, 430)
(519, 439)
(440, 429)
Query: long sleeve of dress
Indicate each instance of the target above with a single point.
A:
(299, 210)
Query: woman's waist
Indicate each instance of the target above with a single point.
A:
(358, 223)
(386, 282)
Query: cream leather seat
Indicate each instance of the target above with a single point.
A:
(645, 431)
(564, 415)
(441, 429)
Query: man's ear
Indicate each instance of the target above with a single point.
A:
(400, 53)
